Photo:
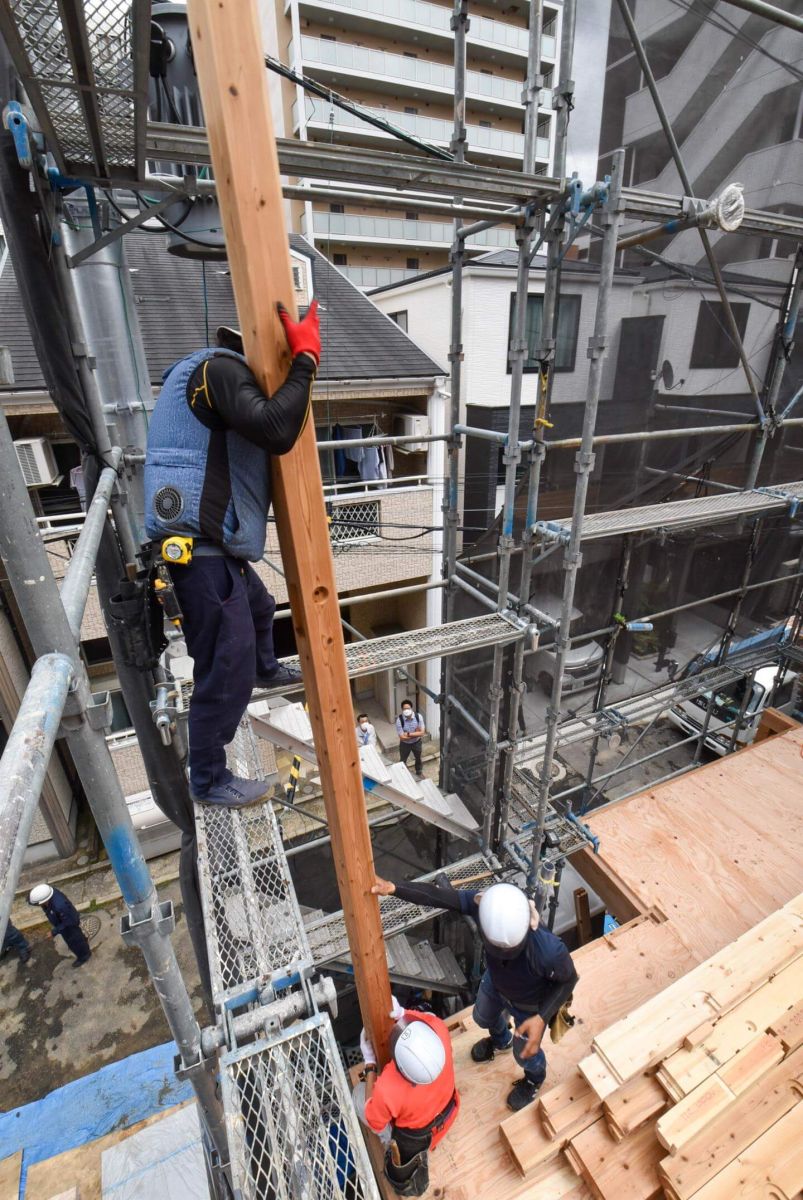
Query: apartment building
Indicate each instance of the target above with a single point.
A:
(385, 513)
(395, 58)
(730, 83)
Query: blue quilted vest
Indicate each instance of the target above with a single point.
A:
(176, 471)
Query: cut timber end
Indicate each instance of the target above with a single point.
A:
(227, 46)
(627, 1109)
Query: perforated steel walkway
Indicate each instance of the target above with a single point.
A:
(684, 514)
(643, 707)
(84, 66)
(417, 645)
(327, 935)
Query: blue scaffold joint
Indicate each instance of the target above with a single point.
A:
(16, 121)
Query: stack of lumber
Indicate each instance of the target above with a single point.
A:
(696, 1093)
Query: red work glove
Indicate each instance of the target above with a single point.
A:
(303, 337)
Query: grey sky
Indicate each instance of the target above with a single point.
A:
(590, 54)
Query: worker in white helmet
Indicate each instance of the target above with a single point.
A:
(64, 919)
(529, 973)
(413, 1102)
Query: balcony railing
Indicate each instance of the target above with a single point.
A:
(431, 129)
(397, 229)
(407, 13)
(371, 277)
(364, 60)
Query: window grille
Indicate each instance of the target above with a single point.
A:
(354, 522)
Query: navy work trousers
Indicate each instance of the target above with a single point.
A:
(76, 940)
(228, 627)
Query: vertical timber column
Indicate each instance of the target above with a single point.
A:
(227, 46)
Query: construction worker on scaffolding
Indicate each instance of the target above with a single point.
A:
(529, 975)
(413, 1102)
(207, 497)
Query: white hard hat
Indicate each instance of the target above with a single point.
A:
(417, 1051)
(504, 919)
(40, 894)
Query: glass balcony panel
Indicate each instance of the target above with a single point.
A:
(398, 229)
(413, 70)
(433, 16)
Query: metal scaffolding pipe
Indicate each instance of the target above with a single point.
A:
(402, 440)
(779, 15)
(782, 349)
(386, 594)
(674, 149)
(488, 435)
(480, 597)
(597, 347)
(451, 493)
(35, 590)
(24, 765)
(453, 702)
(657, 435)
(75, 588)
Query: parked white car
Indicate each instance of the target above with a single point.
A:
(689, 715)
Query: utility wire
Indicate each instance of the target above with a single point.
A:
(325, 93)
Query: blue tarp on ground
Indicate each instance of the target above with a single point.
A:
(115, 1097)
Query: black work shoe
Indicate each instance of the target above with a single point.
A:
(484, 1050)
(523, 1092)
(282, 677)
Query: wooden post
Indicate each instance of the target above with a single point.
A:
(227, 46)
(582, 912)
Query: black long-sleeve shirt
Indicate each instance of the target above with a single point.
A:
(538, 981)
(223, 394)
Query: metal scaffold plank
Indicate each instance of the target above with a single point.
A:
(327, 935)
(293, 1130)
(685, 514)
(383, 168)
(85, 70)
(418, 645)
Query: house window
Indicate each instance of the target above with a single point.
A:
(485, 124)
(713, 346)
(400, 318)
(566, 340)
(411, 112)
(412, 264)
(411, 216)
(337, 208)
(340, 260)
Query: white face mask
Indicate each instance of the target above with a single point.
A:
(407, 712)
(363, 724)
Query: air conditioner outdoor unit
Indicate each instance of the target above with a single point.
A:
(35, 456)
(411, 425)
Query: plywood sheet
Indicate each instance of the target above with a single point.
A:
(718, 849)
(10, 1176)
(616, 972)
(81, 1167)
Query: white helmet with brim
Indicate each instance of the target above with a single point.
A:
(504, 920)
(40, 894)
(417, 1051)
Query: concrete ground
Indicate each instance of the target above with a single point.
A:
(59, 1023)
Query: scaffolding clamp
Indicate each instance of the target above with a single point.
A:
(20, 123)
(551, 531)
(161, 919)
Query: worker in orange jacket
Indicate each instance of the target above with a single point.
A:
(414, 1101)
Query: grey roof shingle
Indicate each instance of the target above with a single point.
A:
(359, 341)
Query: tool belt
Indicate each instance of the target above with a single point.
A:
(410, 1176)
(179, 551)
(138, 619)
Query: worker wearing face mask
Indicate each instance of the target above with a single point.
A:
(411, 730)
(207, 497)
(366, 734)
(529, 976)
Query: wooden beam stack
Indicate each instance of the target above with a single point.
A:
(698, 1093)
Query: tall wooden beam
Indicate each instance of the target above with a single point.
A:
(227, 45)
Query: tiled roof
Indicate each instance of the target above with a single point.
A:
(178, 300)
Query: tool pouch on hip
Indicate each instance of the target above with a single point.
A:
(410, 1178)
(137, 619)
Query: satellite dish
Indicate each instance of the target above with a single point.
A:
(667, 375)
